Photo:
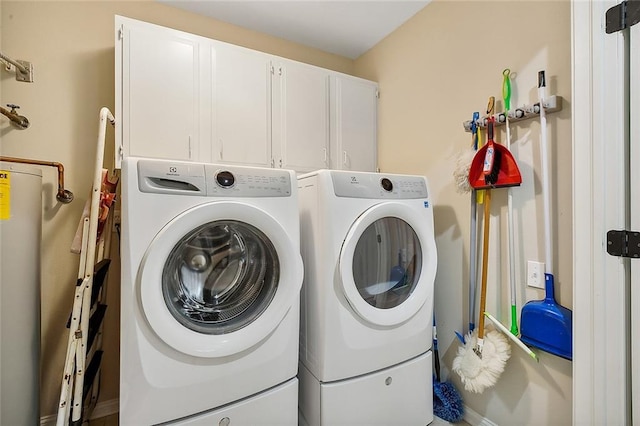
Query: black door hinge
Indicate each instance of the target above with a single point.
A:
(622, 16)
(623, 243)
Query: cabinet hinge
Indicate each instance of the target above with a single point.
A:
(273, 70)
(622, 16)
(121, 33)
(623, 243)
(377, 94)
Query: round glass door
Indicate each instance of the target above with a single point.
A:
(388, 263)
(218, 279)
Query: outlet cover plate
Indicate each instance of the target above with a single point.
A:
(535, 274)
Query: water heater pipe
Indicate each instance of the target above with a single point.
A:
(64, 195)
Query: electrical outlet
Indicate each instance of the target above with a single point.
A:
(535, 274)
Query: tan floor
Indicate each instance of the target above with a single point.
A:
(111, 420)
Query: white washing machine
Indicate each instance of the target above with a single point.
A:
(368, 245)
(211, 277)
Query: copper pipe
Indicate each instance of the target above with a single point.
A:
(17, 120)
(64, 196)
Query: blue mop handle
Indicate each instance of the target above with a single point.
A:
(436, 356)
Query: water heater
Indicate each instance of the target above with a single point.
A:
(20, 239)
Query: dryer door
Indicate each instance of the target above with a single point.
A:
(388, 263)
(218, 279)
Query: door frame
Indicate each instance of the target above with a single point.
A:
(601, 384)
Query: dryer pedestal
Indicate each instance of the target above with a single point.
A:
(399, 395)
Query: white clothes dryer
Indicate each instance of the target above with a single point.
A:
(368, 245)
(211, 276)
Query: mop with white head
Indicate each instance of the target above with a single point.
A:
(461, 171)
(480, 362)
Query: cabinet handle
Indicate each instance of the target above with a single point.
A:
(221, 148)
(324, 150)
(190, 158)
(344, 157)
(273, 163)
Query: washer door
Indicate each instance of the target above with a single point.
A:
(388, 263)
(218, 279)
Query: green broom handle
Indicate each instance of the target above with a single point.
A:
(506, 96)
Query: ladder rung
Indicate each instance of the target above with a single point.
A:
(94, 323)
(91, 373)
(99, 276)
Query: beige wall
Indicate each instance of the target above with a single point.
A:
(434, 72)
(71, 45)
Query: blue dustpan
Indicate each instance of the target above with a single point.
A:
(546, 325)
(543, 323)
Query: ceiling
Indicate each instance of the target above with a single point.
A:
(346, 28)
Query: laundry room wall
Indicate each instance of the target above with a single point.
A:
(433, 73)
(71, 45)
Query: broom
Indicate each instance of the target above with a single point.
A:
(461, 177)
(482, 359)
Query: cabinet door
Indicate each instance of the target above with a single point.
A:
(353, 124)
(241, 106)
(301, 116)
(158, 81)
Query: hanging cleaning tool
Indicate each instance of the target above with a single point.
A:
(447, 402)
(493, 166)
(506, 96)
(545, 324)
(463, 160)
(473, 238)
(513, 332)
(482, 359)
(511, 336)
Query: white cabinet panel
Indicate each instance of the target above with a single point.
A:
(160, 98)
(353, 124)
(241, 106)
(301, 116)
(185, 97)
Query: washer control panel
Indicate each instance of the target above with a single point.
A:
(214, 180)
(241, 181)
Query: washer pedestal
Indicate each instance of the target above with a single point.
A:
(399, 395)
(275, 406)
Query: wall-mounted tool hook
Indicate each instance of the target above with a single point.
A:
(24, 69)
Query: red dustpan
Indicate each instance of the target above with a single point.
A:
(493, 166)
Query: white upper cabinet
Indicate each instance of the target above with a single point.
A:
(186, 97)
(300, 116)
(353, 123)
(158, 71)
(241, 105)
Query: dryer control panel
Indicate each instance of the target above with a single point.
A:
(213, 180)
(378, 185)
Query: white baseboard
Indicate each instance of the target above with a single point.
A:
(476, 419)
(102, 409)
